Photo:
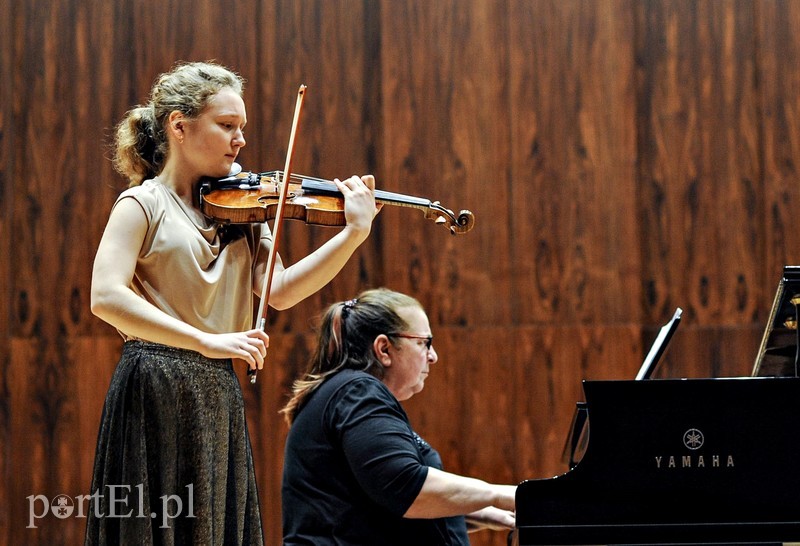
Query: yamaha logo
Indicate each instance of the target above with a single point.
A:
(693, 439)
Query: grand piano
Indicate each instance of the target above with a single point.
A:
(681, 461)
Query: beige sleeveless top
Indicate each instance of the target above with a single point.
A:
(188, 271)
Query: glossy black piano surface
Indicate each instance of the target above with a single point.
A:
(683, 461)
(777, 355)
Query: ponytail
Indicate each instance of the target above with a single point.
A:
(141, 146)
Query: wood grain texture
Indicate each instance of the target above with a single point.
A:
(699, 173)
(445, 114)
(6, 171)
(622, 158)
(573, 218)
(778, 72)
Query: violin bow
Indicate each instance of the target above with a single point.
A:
(261, 317)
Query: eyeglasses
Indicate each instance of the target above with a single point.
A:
(428, 339)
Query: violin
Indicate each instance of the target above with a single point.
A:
(246, 197)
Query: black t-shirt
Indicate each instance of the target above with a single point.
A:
(352, 468)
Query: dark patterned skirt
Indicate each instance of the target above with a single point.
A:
(173, 464)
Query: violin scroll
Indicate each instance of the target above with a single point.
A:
(462, 223)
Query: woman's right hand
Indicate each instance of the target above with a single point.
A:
(250, 346)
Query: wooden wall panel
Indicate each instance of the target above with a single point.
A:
(59, 108)
(549, 366)
(699, 166)
(6, 148)
(56, 399)
(778, 59)
(162, 33)
(445, 119)
(708, 351)
(573, 217)
(476, 418)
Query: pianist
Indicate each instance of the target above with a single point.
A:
(355, 472)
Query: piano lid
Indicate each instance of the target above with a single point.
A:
(778, 352)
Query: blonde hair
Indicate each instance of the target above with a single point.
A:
(141, 146)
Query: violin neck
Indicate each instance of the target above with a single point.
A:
(326, 187)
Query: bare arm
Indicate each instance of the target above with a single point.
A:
(113, 300)
(295, 283)
(444, 494)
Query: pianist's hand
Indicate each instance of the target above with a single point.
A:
(491, 518)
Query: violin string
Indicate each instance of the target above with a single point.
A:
(394, 198)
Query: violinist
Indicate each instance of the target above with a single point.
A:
(173, 451)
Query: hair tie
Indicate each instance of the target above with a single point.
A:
(347, 306)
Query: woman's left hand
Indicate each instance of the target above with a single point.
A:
(359, 201)
(492, 518)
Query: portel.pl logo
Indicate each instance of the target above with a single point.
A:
(122, 501)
